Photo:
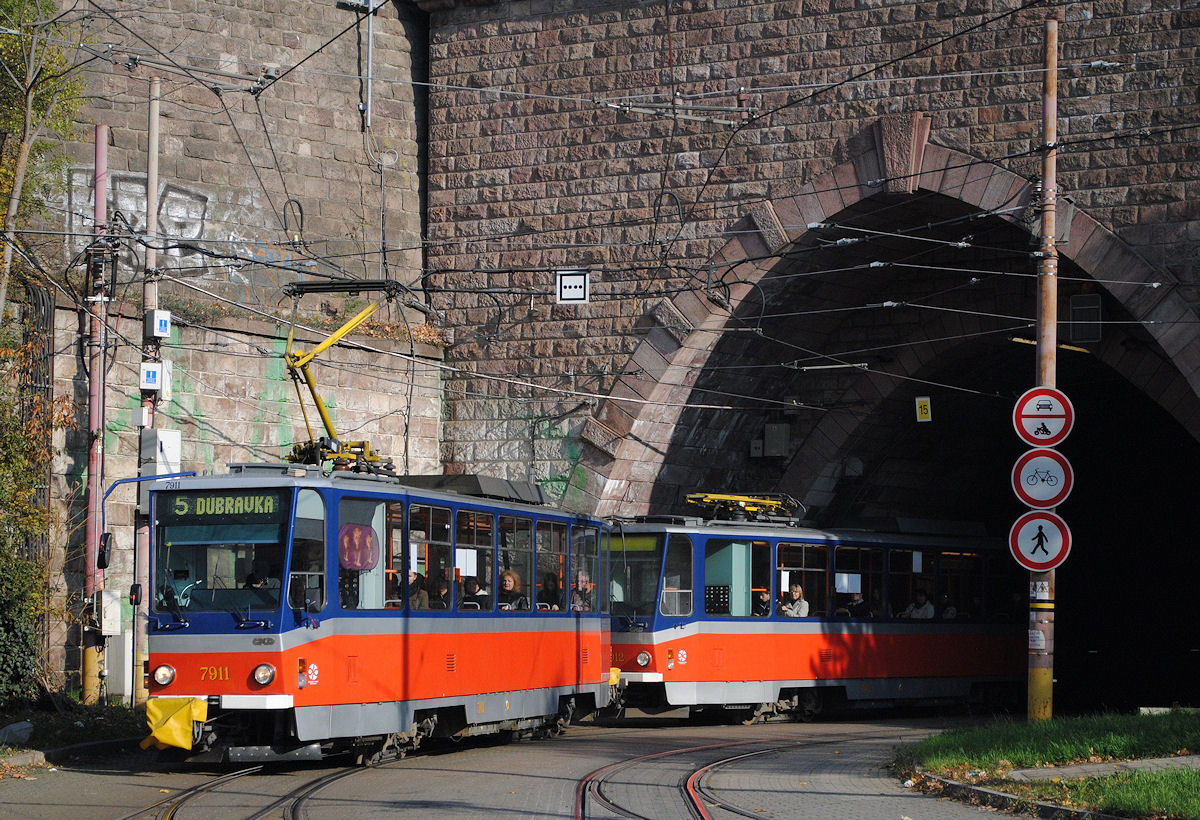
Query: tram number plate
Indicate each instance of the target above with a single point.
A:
(214, 673)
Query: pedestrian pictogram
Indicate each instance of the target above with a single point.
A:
(1039, 540)
(1043, 416)
(1042, 478)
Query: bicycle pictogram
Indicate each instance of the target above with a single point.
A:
(1046, 477)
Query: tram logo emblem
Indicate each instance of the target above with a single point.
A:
(682, 656)
(313, 673)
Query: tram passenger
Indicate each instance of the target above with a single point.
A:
(858, 607)
(259, 577)
(511, 595)
(440, 599)
(921, 608)
(794, 605)
(948, 609)
(581, 593)
(473, 595)
(550, 596)
(762, 604)
(418, 596)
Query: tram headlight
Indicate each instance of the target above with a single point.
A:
(164, 675)
(264, 673)
(643, 658)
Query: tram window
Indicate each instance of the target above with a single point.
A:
(306, 584)
(633, 565)
(807, 565)
(429, 551)
(395, 571)
(473, 560)
(360, 565)
(908, 572)
(515, 545)
(221, 550)
(551, 562)
(735, 573)
(585, 568)
(1005, 596)
(960, 587)
(677, 577)
(858, 571)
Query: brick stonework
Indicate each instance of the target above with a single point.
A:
(547, 152)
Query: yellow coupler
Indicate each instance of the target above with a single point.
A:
(171, 719)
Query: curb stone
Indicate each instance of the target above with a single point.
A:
(25, 757)
(1010, 802)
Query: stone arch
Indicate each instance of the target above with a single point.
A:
(631, 430)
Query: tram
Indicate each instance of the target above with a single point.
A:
(763, 616)
(296, 613)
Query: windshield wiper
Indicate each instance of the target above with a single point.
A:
(172, 606)
(248, 622)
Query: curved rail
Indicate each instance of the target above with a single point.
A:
(169, 805)
(591, 785)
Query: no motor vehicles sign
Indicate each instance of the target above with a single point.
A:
(1043, 416)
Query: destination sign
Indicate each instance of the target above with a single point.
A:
(251, 506)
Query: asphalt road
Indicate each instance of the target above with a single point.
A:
(777, 770)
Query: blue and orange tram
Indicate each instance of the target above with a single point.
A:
(295, 613)
(768, 617)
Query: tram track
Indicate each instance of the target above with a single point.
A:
(289, 806)
(166, 808)
(594, 793)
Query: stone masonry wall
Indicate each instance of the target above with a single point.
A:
(267, 170)
(629, 138)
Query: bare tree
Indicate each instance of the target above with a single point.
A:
(40, 89)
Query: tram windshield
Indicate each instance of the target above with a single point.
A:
(219, 551)
(635, 561)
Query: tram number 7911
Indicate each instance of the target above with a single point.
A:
(214, 673)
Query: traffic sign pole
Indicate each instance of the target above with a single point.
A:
(1040, 699)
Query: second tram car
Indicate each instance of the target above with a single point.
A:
(294, 614)
(769, 618)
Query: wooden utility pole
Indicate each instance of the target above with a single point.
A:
(1041, 606)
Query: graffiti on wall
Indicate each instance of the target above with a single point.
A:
(196, 235)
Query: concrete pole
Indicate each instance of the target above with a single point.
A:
(93, 641)
(1041, 607)
(150, 352)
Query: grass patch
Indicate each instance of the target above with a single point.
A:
(984, 756)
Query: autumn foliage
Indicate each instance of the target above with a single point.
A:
(28, 419)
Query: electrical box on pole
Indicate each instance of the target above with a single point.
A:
(160, 452)
(158, 324)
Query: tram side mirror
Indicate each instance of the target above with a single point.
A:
(135, 595)
(104, 550)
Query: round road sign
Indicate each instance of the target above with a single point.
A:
(1039, 540)
(1042, 478)
(1043, 416)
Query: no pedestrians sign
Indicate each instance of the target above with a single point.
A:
(1039, 540)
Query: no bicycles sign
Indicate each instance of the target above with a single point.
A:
(1042, 478)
